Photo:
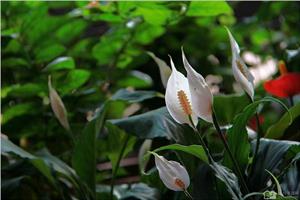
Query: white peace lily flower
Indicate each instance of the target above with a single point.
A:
(178, 98)
(173, 174)
(164, 69)
(240, 71)
(201, 96)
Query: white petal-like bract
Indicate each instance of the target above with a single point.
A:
(240, 71)
(201, 96)
(173, 174)
(178, 98)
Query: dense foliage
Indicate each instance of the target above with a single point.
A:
(96, 57)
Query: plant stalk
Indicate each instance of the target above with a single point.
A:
(234, 162)
(117, 167)
(259, 136)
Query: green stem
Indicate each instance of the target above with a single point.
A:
(234, 162)
(188, 194)
(259, 136)
(117, 166)
(201, 140)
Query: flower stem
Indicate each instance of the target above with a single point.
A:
(188, 194)
(259, 136)
(117, 167)
(201, 140)
(234, 162)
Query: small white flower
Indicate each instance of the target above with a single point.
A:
(202, 98)
(178, 98)
(173, 174)
(240, 71)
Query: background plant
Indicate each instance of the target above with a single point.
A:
(96, 56)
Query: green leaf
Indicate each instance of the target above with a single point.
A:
(277, 130)
(134, 96)
(46, 163)
(157, 123)
(71, 30)
(115, 142)
(26, 90)
(271, 156)
(84, 155)
(74, 80)
(153, 13)
(238, 137)
(49, 52)
(61, 63)
(229, 178)
(147, 125)
(195, 150)
(18, 110)
(8, 147)
(228, 106)
(147, 33)
(135, 79)
(207, 8)
(14, 63)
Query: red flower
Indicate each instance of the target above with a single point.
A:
(286, 85)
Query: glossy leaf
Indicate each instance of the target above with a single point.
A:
(195, 150)
(277, 130)
(61, 63)
(237, 135)
(204, 8)
(134, 96)
(271, 156)
(84, 155)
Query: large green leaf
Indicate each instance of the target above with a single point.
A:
(157, 123)
(84, 156)
(206, 8)
(114, 144)
(139, 191)
(74, 80)
(134, 96)
(195, 150)
(49, 52)
(271, 156)
(228, 178)
(238, 137)
(147, 125)
(277, 130)
(228, 106)
(153, 13)
(18, 110)
(61, 63)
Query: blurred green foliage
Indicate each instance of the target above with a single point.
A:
(94, 50)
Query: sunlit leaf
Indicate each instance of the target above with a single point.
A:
(277, 130)
(61, 63)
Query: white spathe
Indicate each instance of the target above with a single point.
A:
(178, 82)
(240, 71)
(201, 96)
(173, 174)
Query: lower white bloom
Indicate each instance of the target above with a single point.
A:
(173, 174)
